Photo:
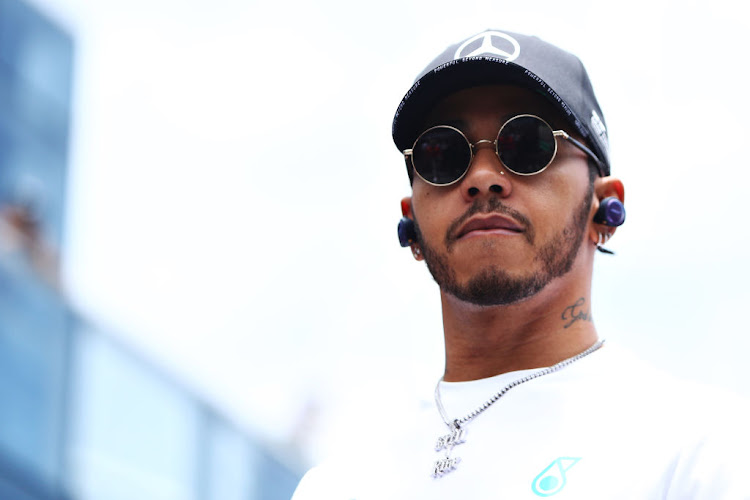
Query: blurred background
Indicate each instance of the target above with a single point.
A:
(201, 289)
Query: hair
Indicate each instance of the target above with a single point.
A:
(593, 170)
(409, 171)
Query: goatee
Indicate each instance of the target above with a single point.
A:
(494, 286)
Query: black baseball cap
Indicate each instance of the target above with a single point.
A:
(502, 57)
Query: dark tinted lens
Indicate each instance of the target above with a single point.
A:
(441, 155)
(526, 145)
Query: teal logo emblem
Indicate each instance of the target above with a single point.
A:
(552, 479)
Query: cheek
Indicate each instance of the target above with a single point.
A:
(431, 213)
(557, 197)
(430, 223)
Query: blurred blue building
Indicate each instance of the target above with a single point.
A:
(81, 417)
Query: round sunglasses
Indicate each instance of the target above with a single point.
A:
(525, 145)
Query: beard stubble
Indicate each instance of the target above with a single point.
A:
(494, 286)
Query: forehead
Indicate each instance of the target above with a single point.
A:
(491, 105)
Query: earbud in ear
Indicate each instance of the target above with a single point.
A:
(611, 212)
(406, 232)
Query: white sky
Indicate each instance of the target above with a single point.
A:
(234, 190)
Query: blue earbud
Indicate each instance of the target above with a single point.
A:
(611, 212)
(406, 232)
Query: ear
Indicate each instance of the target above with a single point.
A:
(406, 228)
(406, 207)
(604, 187)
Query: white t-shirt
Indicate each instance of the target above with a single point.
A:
(604, 427)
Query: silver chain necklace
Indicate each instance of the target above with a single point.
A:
(457, 434)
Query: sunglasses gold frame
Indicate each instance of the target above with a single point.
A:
(409, 153)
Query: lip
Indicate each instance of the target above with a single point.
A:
(489, 224)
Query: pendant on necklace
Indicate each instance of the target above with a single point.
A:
(444, 466)
(456, 436)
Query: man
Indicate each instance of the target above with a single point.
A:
(506, 150)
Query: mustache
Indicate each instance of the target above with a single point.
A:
(488, 206)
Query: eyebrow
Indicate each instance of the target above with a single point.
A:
(458, 123)
(462, 125)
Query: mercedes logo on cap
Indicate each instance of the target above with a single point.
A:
(493, 43)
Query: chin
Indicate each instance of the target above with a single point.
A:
(494, 286)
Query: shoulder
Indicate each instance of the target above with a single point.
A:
(373, 457)
(367, 475)
(322, 483)
(619, 378)
(703, 428)
(714, 459)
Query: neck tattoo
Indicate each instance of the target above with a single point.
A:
(456, 427)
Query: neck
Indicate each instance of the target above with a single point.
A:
(540, 331)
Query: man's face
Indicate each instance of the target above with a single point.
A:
(496, 237)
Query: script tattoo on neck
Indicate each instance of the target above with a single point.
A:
(575, 312)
